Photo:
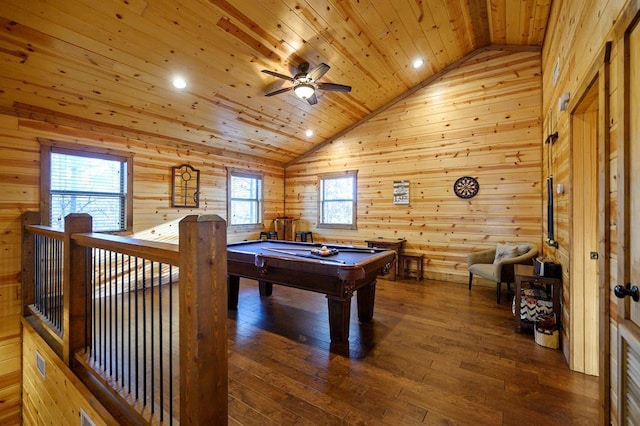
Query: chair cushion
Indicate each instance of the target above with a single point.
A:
(484, 270)
(505, 251)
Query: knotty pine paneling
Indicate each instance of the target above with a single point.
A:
(154, 218)
(44, 400)
(577, 33)
(109, 65)
(482, 119)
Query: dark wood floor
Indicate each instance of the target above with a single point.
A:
(435, 353)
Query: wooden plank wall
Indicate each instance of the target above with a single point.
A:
(43, 399)
(575, 39)
(154, 218)
(482, 119)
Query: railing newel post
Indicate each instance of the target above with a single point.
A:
(203, 320)
(28, 259)
(74, 315)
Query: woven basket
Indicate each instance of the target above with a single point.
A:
(547, 338)
(546, 332)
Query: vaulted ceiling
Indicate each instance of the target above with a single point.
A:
(107, 65)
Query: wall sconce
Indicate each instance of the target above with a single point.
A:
(560, 188)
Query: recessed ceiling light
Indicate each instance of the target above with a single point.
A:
(309, 133)
(418, 63)
(179, 82)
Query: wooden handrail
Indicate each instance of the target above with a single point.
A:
(45, 231)
(152, 250)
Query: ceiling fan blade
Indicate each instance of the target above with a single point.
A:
(275, 74)
(318, 71)
(332, 87)
(277, 92)
(312, 99)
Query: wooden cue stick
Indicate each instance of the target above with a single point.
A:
(345, 250)
(355, 250)
(308, 256)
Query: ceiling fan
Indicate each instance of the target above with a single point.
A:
(305, 82)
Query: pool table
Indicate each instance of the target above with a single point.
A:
(346, 270)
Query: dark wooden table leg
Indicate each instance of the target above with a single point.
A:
(233, 286)
(339, 317)
(266, 288)
(366, 297)
(517, 302)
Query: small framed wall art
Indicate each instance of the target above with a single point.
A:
(401, 192)
(186, 186)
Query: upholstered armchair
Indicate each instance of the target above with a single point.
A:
(497, 264)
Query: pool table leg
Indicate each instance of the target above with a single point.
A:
(233, 286)
(266, 288)
(339, 316)
(366, 296)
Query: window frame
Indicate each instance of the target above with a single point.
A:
(252, 175)
(48, 147)
(354, 200)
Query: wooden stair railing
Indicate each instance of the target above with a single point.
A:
(201, 259)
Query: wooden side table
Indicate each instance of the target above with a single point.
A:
(285, 227)
(525, 275)
(405, 267)
(390, 244)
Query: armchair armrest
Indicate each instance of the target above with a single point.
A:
(506, 272)
(482, 256)
(522, 259)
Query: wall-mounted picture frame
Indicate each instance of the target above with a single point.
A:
(185, 186)
(401, 192)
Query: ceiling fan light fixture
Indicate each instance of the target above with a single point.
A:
(304, 90)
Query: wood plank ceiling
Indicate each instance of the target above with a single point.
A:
(107, 65)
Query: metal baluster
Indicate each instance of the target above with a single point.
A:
(144, 331)
(152, 361)
(122, 340)
(129, 321)
(137, 359)
(103, 308)
(160, 376)
(171, 344)
(109, 285)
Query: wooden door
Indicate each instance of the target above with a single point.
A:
(628, 351)
(584, 274)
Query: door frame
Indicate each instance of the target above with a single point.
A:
(630, 17)
(600, 72)
(586, 176)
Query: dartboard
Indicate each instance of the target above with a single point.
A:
(466, 187)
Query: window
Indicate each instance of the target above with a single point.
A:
(245, 198)
(95, 183)
(338, 196)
